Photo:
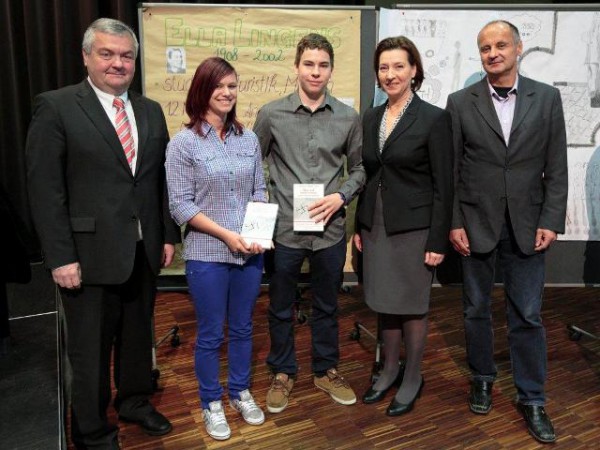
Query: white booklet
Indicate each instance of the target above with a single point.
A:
(259, 223)
(304, 195)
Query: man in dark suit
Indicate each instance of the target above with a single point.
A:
(510, 202)
(98, 201)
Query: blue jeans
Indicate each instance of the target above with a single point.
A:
(523, 277)
(326, 270)
(223, 292)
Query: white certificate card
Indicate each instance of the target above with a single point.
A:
(259, 223)
(304, 195)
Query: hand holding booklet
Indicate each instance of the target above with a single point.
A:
(304, 196)
(259, 223)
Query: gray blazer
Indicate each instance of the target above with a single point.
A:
(529, 175)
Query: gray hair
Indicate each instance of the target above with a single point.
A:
(513, 29)
(108, 26)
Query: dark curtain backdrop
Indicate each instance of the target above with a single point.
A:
(40, 44)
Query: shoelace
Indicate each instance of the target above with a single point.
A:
(278, 385)
(337, 379)
(247, 406)
(217, 418)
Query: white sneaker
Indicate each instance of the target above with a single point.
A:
(248, 408)
(215, 421)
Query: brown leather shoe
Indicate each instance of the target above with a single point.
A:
(279, 392)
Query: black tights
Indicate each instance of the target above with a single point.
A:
(414, 330)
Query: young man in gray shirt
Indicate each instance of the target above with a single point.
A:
(304, 138)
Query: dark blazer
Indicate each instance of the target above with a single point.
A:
(415, 172)
(85, 201)
(529, 175)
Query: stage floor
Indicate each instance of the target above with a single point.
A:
(29, 411)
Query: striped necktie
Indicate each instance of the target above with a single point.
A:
(124, 129)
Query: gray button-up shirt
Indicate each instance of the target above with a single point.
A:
(301, 146)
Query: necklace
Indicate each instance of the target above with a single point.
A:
(383, 134)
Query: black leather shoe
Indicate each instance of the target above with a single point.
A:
(480, 397)
(152, 423)
(374, 396)
(397, 408)
(538, 422)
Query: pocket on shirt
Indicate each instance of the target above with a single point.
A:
(206, 163)
(205, 157)
(246, 154)
(246, 160)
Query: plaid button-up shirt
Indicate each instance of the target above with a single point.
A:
(216, 178)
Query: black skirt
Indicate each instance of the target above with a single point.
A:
(395, 277)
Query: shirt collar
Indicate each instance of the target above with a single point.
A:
(513, 90)
(106, 97)
(297, 103)
(207, 127)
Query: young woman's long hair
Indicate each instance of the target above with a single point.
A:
(206, 79)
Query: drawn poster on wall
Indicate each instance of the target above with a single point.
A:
(259, 42)
(559, 48)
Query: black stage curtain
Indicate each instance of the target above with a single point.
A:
(41, 44)
(40, 41)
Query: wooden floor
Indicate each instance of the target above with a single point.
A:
(441, 419)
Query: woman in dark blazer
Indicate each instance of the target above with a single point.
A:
(404, 215)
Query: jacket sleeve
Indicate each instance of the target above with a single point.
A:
(555, 172)
(356, 172)
(172, 230)
(441, 157)
(46, 155)
(457, 150)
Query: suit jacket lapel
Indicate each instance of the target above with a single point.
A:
(405, 122)
(141, 122)
(483, 103)
(525, 99)
(377, 125)
(93, 109)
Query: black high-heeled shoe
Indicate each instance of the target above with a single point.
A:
(373, 395)
(397, 408)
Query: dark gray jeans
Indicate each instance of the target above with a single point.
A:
(326, 270)
(523, 277)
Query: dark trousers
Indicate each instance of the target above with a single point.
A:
(326, 270)
(98, 319)
(223, 293)
(523, 277)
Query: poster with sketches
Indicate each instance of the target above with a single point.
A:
(560, 48)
